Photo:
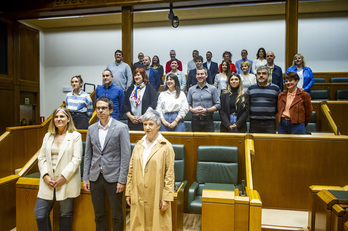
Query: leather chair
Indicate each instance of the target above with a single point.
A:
(217, 121)
(342, 95)
(215, 164)
(319, 80)
(179, 164)
(320, 95)
(339, 80)
(82, 158)
(187, 121)
(312, 125)
(124, 119)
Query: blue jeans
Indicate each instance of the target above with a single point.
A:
(43, 209)
(170, 117)
(286, 127)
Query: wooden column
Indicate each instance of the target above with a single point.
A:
(291, 39)
(127, 34)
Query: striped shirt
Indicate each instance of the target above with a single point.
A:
(263, 101)
(80, 102)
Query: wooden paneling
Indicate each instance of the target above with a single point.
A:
(331, 87)
(28, 54)
(291, 40)
(285, 166)
(339, 111)
(127, 34)
(7, 110)
(328, 75)
(8, 204)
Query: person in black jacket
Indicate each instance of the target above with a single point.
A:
(139, 97)
(234, 106)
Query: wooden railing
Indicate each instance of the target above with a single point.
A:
(328, 117)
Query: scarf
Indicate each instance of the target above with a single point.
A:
(135, 96)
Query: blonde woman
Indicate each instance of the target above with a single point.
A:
(234, 106)
(248, 79)
(59, 165)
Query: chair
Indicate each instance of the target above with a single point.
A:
(342, 95)
(179, 164)
(339, 80)
(217, 120)
(82, 158)
(215, 164)
(188, 121)
(320, 95)
(319, 80)
(312, 125)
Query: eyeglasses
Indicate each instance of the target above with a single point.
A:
(101, 108)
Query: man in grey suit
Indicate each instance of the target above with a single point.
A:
(107, 157)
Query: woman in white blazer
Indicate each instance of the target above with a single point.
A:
(59, 165)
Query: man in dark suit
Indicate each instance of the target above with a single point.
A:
(274, 71)
(139, 63)
(106, 163)
(211, 66)
(191, 78)
(154, 78)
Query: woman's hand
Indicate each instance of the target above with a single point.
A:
(133, 119)
(128, 199)
(59, 182)
(163, 205)
(48, 180)
(173, 124)
(234, 126)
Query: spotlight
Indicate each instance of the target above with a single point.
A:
(172, 17)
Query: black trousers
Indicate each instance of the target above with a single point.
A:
(81, 120)
(202, 123)
(99, 189)
(262, 126)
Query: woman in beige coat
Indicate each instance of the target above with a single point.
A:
(59, 162)
(150, 181)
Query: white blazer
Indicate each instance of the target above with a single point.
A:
(68, 165)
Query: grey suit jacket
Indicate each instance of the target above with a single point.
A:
(113, 158)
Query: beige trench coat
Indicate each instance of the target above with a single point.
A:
(146, 191)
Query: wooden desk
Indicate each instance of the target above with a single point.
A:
(178, 209)
(324, 210)
(217, 209)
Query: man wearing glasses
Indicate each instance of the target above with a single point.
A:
(106, 162)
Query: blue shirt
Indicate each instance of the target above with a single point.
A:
(239, 62)
(115, 94)
(122, 73)
(206, 97)
(80, 102)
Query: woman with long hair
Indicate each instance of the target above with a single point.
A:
(59, 165)
(172, 105)
(157, 65)
(260, 59)
(234, 106)
(220, 81)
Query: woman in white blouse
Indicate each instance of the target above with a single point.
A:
(248, 79)
(260, 59)
(172, 105)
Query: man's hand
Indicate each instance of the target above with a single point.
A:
(120, 187)
(86, 185)
(199, 110)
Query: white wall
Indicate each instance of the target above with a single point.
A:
(87, 50)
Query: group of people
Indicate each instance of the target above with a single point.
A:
(147, 174)
(109, 169)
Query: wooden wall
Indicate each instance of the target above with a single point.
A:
(285, 166)
(23, 79)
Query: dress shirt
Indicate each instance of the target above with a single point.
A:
(206, 97)
(115, 94)
(289, 98)
(208, 65)
(181, 77)
(239, 62)
(147, 150)
(190, 66)
(122, 74)
(168, 103)
(102, 132)
(80, 102)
